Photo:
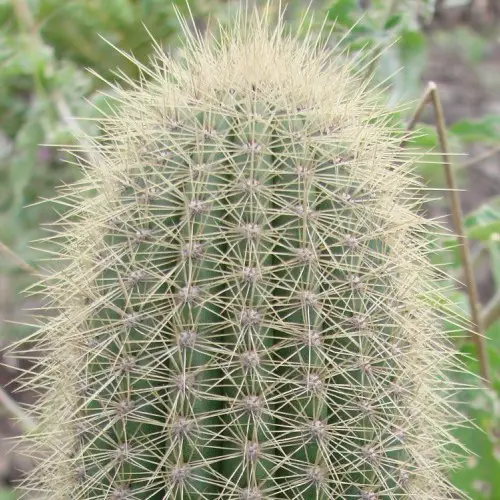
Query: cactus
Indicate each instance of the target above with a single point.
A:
(243, 305)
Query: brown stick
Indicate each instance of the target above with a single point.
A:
(431, 95)
(6, 402)
(488, 154)
(18, 260)
(24, 421)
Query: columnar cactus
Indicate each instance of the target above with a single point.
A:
(245, 311)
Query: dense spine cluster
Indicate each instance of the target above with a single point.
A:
(244, 310)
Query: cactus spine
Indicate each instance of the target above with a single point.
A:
(244, 310)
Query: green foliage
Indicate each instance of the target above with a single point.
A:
(484, 223)
(485, 130)
(7, 495)
(478, 477)
(393, 29)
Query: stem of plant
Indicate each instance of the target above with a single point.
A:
(478, 159)
(21, 263)
(477, 257)
(431, 96)
(23, 420)
(9, 404)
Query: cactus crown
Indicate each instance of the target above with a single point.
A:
(243, 313)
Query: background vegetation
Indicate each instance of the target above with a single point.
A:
(47, 47)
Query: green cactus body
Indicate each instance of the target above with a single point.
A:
(245, 310)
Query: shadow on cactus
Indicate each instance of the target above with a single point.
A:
(244, 310)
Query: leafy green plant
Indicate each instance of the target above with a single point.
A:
(243, 303)
(6, 495)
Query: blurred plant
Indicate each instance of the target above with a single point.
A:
(44, 47)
